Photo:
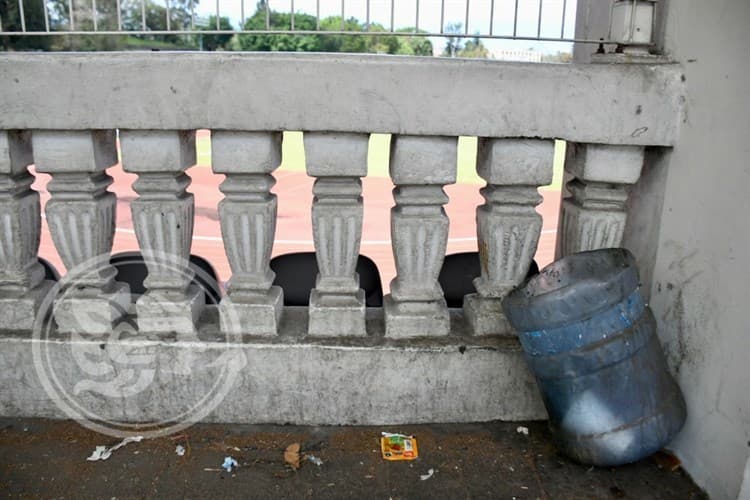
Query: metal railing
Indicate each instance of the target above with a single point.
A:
(85, 17)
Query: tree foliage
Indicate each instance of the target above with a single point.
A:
(318, 42)
(214, 42)
(11, 19)
(455, 46)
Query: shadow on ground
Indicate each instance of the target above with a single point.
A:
(44, 458)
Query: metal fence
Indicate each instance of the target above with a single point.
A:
(553, 19)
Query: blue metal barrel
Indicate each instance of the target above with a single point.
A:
(591, 343)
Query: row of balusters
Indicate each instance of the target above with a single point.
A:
(81, 219)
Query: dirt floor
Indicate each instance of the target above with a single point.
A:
(43, 458)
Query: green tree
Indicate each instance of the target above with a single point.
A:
(213, 42)
(381, 44)
(278, 21)
(475, 49)
(453, 44)
(11, 21)
(413, 45)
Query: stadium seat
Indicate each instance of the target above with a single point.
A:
(296, 273)
(458, 273)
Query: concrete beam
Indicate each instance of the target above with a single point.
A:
(610, 104)
(284, 379)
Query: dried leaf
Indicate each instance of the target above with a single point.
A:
(291, 455)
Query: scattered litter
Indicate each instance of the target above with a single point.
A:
(291, 455)
(104, 452)
(425, 477)
(229, 464)
(312, 458)
(398, 446)
(522, 430)
(180, 450)
(667, 461)
(211, 469)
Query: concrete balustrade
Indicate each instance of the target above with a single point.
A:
(608, 113)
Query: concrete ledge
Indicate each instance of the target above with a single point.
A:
(288, 379)
(600, 103)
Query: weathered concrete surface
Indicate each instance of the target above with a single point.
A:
(285, 379)
(610, 104)
(700, 287)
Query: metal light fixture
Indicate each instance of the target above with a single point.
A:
(632, 24)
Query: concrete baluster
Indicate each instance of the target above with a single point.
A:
(338, 161)
(163, 220)
(593, 216)
(81, 220)
(508, 226)
(420, 166)
(22, 283)
(248, 224)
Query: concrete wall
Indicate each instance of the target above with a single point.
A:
(701, 287)
(689, 226)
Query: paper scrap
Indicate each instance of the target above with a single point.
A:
(104, 452)
(522, 430)
(425, 477)
(229, 464)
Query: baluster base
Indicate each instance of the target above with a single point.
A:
(485, 316)
(167, 312)
(91, 310)
(336, 315)
(261, 317)
(18, 312)
(415, 319)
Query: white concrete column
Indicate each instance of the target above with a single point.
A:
(81, 220)
(22, 284)
(593, 216)
(248, 225)
(508, 225)
(163, 220)
(420, 166)
(338, 160)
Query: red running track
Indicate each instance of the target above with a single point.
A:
(294, 227)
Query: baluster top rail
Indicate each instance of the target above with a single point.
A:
(634, 104)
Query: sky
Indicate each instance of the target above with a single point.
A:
(405, 15)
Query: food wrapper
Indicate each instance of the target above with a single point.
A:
(398, 447)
